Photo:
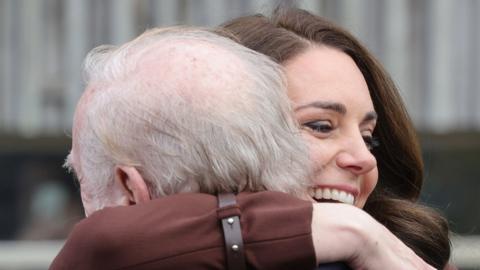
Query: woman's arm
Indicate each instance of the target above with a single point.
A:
(183, 232)
(342, 232)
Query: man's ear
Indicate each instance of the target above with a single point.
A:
(132, 184)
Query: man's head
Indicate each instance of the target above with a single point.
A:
(182, 110)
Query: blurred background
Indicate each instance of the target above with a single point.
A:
(430, 47)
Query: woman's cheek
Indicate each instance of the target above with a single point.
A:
(316, 150)
(370, 181)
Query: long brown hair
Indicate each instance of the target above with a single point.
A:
(291, 31)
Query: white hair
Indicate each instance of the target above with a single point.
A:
(212, 116)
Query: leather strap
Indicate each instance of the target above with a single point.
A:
(232, 231)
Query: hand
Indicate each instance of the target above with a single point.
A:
(345, 233)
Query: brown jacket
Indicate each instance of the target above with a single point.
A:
(183, 232)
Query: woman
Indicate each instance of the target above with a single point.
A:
(341, 96)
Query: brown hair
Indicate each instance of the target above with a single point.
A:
(393, 203)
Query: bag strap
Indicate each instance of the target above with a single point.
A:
(229, 213)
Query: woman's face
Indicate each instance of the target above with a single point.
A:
(333, 106)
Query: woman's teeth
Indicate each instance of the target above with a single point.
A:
(332, 194)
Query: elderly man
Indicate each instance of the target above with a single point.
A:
(185, 110)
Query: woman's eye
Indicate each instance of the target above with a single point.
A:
(319, 126)
(371, 142)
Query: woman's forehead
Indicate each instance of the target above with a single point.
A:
(326, 74)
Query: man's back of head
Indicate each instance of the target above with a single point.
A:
(189, 111)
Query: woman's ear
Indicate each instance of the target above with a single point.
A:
(132, 185)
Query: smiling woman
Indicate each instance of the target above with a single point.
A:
(346, 105)
(333, 107)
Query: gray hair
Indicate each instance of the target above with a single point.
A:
(214, 118)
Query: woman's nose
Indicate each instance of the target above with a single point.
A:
(356, 157)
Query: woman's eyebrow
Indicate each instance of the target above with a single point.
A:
(334, 106)
(370, 117)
